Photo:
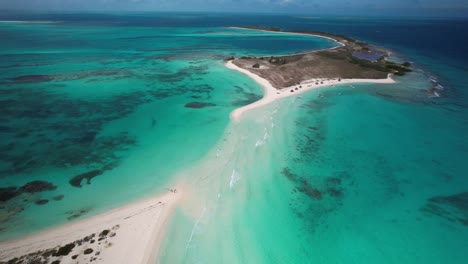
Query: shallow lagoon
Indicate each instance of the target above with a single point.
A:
(346, 174)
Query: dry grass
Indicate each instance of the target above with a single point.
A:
(290, 70)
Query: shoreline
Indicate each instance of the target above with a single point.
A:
(340, 44)
(136, 230)
(272, 94)
(135, 234)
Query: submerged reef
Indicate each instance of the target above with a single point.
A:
(77, 213)
(11, 192)
(247, 97)
(198, 105)
(76, 180)
(41, 128)
(37, 186)
(313, 197)
(73, 76)
(453, 208)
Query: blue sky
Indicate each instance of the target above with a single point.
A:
(358, 7)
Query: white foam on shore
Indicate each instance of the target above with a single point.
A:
(272, 94)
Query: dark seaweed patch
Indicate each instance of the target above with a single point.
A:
(87, 138)
(453, 208)
(200, 91)
(310, 191)
(41, 202)
(58, 197)
(247, 97)
(76, 180)
(37, 186)
(314, 196)
(198, 105)
(77, 213)
(11, 192)
(288, 173)
(31, 116)
(333, 192)
(184, 73)
(8, 193)
(72, 76)
(32, 78)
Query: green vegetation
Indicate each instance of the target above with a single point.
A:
(344, 53)
(104, 232)
(381, 65)
(64, 251)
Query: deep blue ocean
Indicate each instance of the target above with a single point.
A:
(108, 108)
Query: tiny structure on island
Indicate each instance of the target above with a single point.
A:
(352, 60)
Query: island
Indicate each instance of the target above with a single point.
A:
(352, 61)
(134, 233)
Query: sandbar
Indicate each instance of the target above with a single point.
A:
(133, 234)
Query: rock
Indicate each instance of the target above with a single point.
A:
(88, 251)
(256, 65)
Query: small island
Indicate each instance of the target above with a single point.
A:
(352, 60)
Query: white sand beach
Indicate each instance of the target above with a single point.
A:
(271, 93)
(135, 232)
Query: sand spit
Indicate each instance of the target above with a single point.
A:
(272, 94)
(129, 234)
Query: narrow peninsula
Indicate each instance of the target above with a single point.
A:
(351, 62)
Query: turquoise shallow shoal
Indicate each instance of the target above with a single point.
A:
(358, 173)
(126, 108)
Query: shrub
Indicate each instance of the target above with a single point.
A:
(65, 250)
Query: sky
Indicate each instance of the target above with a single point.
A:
(313, 7)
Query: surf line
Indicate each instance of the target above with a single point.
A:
(195, 227)
(234, 178)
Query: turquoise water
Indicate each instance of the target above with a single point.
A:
(80, 99)
(351, 174)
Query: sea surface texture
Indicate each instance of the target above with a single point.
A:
(98, 110)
